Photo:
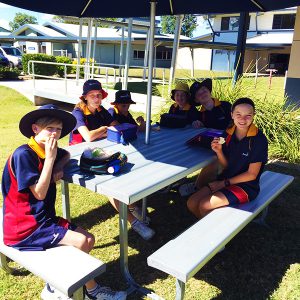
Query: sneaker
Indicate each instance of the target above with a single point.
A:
(187, 189)
(137, 213)
(105, 293)
(49, 293)
(143, 230)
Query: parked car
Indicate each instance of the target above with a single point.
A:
(4, 62)
(13, 54)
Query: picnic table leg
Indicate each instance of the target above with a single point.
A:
(180, 289)
(65, 200)
(261, 220)
(144, 209)
(133, 286)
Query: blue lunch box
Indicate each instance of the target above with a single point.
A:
(122, 133)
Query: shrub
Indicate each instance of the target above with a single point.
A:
(40, 69)
(82, 62)
(7, 73)
(60, 70)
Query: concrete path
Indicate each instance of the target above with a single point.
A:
(42, 90)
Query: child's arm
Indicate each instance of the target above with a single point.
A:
(59, 165)
(217, 147)
(40, 189)
(249, 175)
(91, 135)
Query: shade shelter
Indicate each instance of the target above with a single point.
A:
(140, 8)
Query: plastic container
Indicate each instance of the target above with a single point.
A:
(122, 133)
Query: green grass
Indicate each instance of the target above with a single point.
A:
(259, 263)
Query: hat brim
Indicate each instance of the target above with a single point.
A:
(104, 95)
(129, 101)
(67, 119)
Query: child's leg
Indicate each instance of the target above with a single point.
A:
(82, 240)
(194, 200)
(210, 202)
(207, 174)
(115, 204)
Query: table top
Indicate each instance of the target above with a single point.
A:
(150, 167)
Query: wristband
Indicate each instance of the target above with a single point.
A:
(227, 182)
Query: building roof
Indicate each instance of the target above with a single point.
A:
(45, 31)
(272, 38)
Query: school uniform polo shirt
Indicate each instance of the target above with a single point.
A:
(240, 154)
(92, 121)
(22, 212)
(121, 118)
(189, 111)
(219, 117)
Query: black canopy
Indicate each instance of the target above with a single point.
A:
(140, 8)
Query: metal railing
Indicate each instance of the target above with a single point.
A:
(32, 73)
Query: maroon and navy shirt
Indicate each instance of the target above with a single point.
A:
(22, 212)
(240, 154)
(84, 117)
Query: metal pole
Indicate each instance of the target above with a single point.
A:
(128, 50)
(88, 50)
(150, 70)
(193, 66)
(175, 50)
(146, 55)
(94, 48)
(79, 50)
(121, 54)
(256, 67)
(241, 46)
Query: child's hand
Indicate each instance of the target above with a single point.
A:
(216, 146)
(197, 124)
(216, 186)
(51, 148)
(140, 120)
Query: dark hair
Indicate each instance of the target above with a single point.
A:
(242, 101)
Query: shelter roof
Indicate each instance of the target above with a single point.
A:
(271, 38)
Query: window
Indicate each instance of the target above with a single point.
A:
(225, 23)
(138, 54)
(232, 23)
(284, 21)
(164, 54)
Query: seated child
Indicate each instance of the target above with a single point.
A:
(181, 95)
(213, 112)
(242, 157)
(120, 111)
(92, 118)
(29, 192)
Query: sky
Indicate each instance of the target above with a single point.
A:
(7, 14)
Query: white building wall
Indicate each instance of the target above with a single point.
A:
(202, 59)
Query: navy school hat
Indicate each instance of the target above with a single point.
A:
(48, 110)
(91, 85)
(123, 97)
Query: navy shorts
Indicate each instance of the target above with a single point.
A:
(235, 194)
(48, 235)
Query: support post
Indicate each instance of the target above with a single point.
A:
(128, 51)
(175, 50)
(79, 50)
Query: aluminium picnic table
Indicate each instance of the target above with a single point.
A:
(150, 168)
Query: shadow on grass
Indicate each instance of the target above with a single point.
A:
(252, 264)
(136, 86)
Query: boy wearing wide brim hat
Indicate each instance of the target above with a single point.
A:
(181, 95)
(29, 189)
(120, 111)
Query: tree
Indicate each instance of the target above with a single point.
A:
(20, 19)
(189, 24)
(68, 20)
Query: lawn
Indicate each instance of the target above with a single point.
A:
(259, 263)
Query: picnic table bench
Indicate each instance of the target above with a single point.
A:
(185, 255)
(66, 268)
